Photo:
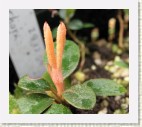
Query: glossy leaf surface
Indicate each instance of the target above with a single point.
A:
(34, 85)
(80, 96)
(58, 109)
(105, 87)
(34, 103)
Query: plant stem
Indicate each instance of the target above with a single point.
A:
(121, 31)
(53, 94)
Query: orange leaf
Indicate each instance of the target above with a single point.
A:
(61, 38)
(49, 45)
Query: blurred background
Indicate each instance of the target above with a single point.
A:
(101, 34)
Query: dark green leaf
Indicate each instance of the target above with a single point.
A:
(58, 109)
(62, 13)
(19, 92)
(75, 24)
(88, 25)
(67, 83)
(70, 58)
(13, 106)
(105, 87)
(70, 13)
(48, 79)
(66, 13)
(34, 103)
(80, 96)
(35, 85)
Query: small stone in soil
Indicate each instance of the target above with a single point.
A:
(103, 111)
(80, 76)
(124, 106)
(96, 55)
(98, 61)
(127, 100)
(93, 67)
(126, 79)
(86, 70)
(117, 98)
(117, 111)
(123, 100)
(104, 103)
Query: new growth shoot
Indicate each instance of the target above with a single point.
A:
(55, 58)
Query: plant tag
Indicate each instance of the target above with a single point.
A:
(25, 43)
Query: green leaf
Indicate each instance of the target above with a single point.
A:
(66, 13)
(67, 83)
(105, 87)
(13, 106)
(19, 92)
(70, 13)
(48, 79)
(75, 24)
(88, 25)
(70, 58)
(34, 103)
(80, 96)
(34, 85)
(58, 109)
(62, 13)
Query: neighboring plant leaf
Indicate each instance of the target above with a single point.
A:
(70, 13)
(48, 79)
(70, 58)
(34, 103)
(105, 87)
(75, 24)
(58, 109)
(80, 96)
(66, 13)
(34, 85)
(121, 63)
(88, 25)
(13, 106)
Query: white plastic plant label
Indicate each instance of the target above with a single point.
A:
(25, 43)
